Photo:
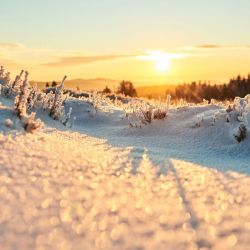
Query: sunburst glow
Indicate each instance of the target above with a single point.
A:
(162, 63)
(161, 60)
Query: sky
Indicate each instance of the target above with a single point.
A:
(145, 41)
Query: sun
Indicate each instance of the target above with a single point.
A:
(160, 59)
(162, 63)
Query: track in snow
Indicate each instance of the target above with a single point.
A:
(62, 190)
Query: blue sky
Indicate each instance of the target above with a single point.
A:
(122, 26)
(114, 25)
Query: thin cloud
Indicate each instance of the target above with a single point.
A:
(153, 55)
(6, 45)
(81, 60)
(209, 46)
(205, 50)
(217, 46)
(14, 53)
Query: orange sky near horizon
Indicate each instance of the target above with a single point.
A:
(143, 68)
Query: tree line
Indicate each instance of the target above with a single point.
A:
(194, 91)
(197, 91)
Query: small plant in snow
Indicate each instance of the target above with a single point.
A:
(4, 81)
(168, 101)
(94, 100)
(67, 117)
(59, 98)
(241, 106)
(183, 105)
(20, 102)
(32, 99)
(16, 84)
(146, 115)
(161, 110)
(239, 109)
(14, 88)
(30, 123)
(199, 120)
(241, 133)
(1, 74)
(28, 98)
(7, 78)
(229, 109)
(20, 106)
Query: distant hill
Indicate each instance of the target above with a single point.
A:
(150, 91)
(85, 84)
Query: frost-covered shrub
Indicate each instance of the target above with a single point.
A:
(2, 76)
(14, 88)
(143, 112)
(30, 123)
(146, 115)
(1, 71)
(67, 118)
(51, 102)
(239, 109)
(20, 102)
(182, 103)
(241, 133)
(4, 81)
(240, 105)
(199, 120)
(7, 88)
(220, 115)
(28, 99)
(168, 101)
(16, 84)
(94, 100)
(101, 102)
(32, 99)
(57, 106)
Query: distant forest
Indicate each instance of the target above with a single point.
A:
(197, 91)
(191, 92)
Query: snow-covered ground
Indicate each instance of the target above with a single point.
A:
(177, 183)
(197, 134)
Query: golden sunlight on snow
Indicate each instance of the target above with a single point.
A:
(90, 199)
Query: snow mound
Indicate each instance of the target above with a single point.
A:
(204, 134)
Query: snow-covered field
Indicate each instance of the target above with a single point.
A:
(107, 180)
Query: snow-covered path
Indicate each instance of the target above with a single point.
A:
(64, 190)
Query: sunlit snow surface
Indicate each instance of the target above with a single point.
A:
(65, 190)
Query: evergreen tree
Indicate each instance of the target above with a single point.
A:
(126, 88)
